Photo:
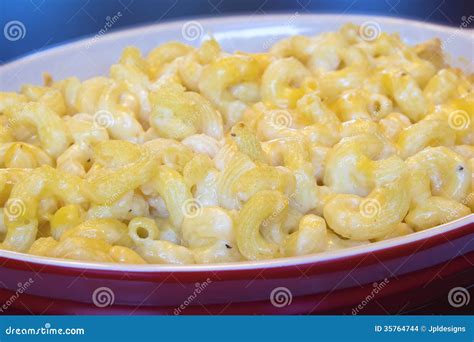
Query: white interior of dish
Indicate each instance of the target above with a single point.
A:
(93, 56)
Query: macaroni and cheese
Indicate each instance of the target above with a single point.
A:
(194, 155)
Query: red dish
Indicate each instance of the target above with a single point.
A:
(385, 277)
(392, 276)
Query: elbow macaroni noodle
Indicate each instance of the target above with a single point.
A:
(193, 155)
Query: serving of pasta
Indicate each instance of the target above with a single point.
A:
(195, 156)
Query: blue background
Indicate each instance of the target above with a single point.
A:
(240, 328)
(51, 22)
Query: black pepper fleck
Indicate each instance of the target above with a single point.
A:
(229, 247)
